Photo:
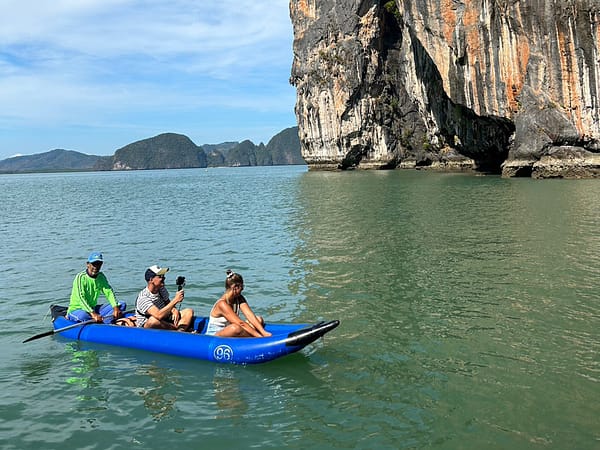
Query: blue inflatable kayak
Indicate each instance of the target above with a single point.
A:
(285, 339)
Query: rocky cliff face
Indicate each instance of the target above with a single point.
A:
(492, 85)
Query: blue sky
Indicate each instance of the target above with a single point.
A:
(96, 75)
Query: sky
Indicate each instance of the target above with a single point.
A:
(96, 75)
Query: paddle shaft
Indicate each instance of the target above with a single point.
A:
(60, 330)
(51, 332)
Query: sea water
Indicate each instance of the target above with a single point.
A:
(469, 309)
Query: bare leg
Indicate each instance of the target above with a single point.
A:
(160, 324)
(233, 330)
(186, 319)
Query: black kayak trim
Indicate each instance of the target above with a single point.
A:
(310, 334)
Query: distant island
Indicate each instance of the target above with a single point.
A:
(166, 151)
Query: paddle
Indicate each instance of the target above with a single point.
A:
(60, 330)
(51, 332)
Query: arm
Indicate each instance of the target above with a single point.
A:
(167, 310)
(226, 311)
(108, 292)
(249, 314)
(79, 299)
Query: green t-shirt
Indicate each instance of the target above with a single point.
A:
(86, 291)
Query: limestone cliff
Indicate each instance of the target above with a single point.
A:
(507, 86)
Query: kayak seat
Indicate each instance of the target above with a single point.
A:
(200, 324)
(57, 311)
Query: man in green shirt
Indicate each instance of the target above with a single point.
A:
(87, 287)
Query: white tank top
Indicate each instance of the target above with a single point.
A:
(216, 324)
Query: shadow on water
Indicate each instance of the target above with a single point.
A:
(36, 371)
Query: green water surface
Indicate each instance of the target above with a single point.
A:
(469, 309)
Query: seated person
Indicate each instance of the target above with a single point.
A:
(224, 319)
(87, 286)
(154, 309)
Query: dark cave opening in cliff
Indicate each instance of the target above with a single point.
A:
(523, 172)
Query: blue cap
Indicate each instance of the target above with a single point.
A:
(95, 256)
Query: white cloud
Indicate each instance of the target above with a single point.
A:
(89, 61)
(160, 30)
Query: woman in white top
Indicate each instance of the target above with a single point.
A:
(224, 319)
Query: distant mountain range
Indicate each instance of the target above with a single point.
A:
(166, 151)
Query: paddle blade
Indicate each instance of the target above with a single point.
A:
(37, 336)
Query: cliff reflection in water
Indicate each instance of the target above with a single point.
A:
(455, 291)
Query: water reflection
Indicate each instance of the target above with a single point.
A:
(228, 396)
(86, 382)
(159, 398)
(463, 303)
(168, 387)
(84, 366)
(449, 285)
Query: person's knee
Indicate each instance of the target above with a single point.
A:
(236, 329)
(79, 315)
(152, 323)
